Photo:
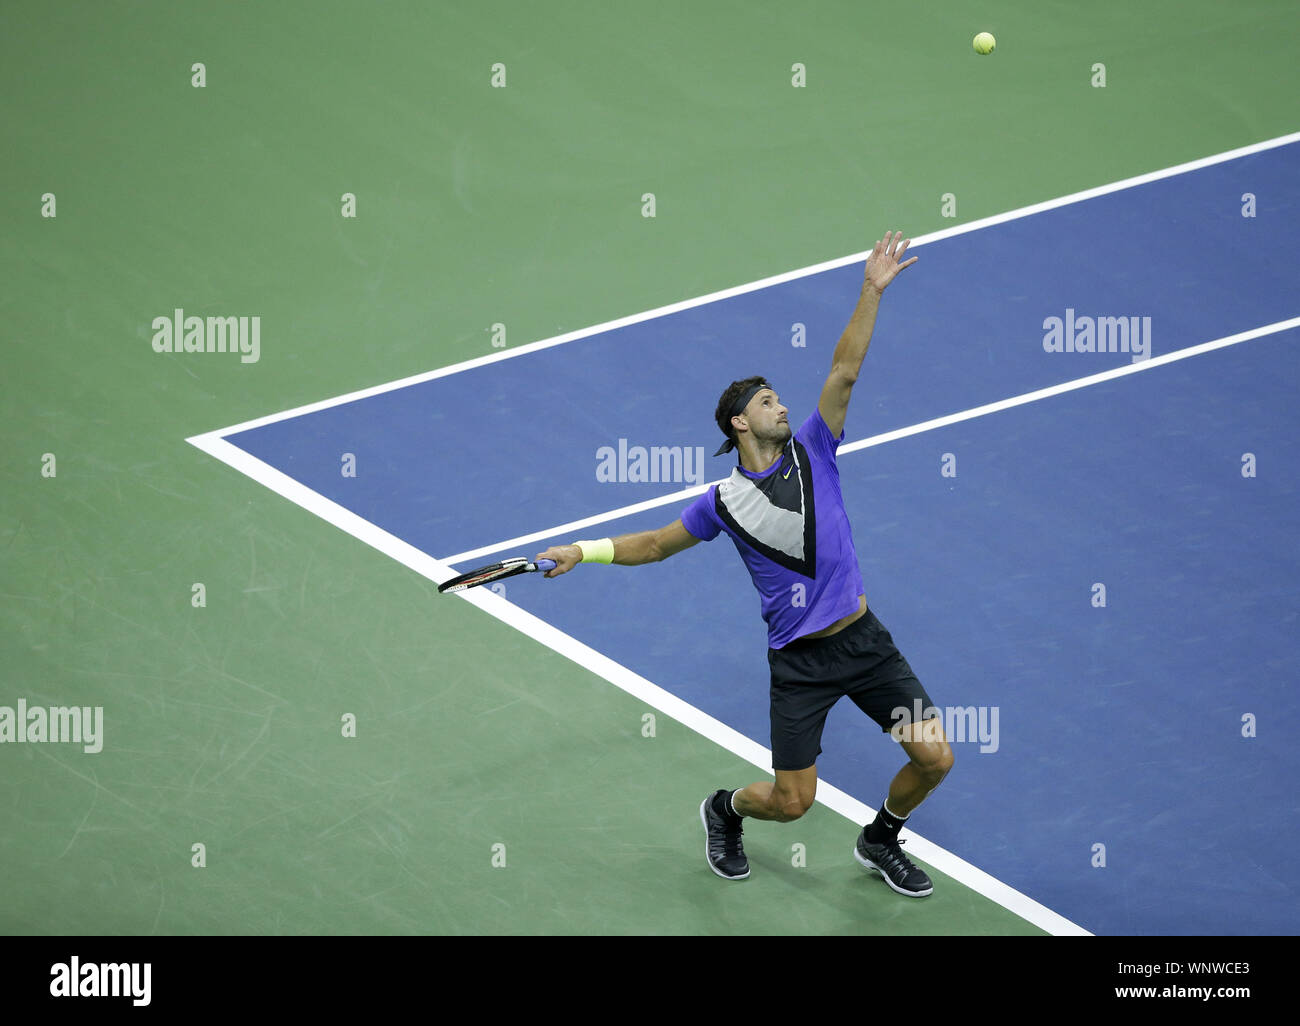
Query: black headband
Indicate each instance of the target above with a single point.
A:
(737, 408)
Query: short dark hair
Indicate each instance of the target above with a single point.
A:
(734, 391)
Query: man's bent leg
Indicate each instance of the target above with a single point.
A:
(783, 801)
(929, 760)
(722, 813)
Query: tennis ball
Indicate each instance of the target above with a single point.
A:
(984, 42)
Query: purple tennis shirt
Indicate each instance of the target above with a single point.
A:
(790, 528)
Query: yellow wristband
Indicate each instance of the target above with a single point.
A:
(601, 551)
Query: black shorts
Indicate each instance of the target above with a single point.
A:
(811, 675)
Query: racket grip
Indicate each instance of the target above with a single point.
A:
(545, 565)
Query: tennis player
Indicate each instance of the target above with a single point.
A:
(783, 509)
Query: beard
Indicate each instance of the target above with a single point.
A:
(777, 436)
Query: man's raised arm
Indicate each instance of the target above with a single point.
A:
(882, 266)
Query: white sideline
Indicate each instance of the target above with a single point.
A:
(620, 676)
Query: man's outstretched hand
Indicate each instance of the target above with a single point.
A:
(566, 558)
(883, 263)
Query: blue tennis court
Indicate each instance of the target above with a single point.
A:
(1107, 731)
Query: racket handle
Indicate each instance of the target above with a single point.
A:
(545, 565)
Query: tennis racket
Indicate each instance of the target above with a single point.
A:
(495, 572)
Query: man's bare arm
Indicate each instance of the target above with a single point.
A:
(629, 549)
(846, 362)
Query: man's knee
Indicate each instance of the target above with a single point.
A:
(791, 806)
(933, 760)
(793, 793)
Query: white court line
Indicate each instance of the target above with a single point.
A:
(214, 444)
(662, 311)
(929, 425)
(620, 676)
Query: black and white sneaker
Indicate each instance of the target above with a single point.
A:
(900, 872)
(722, 845)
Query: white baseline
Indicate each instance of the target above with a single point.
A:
(762, 283)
